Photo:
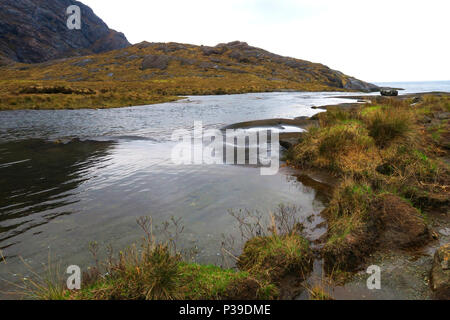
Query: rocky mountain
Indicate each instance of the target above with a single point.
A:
(36, 30)
(44, 65)
(229, 68)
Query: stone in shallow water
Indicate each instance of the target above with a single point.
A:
(440, 273)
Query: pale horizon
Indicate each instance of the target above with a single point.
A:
(388, 42)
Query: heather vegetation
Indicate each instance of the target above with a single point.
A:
(149, 73)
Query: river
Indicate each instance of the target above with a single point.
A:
(57, 194)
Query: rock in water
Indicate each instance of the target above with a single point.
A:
(440, 273)
(389, 92)
(36, 31)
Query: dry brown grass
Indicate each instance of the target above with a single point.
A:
(119, 79)
(376, 149)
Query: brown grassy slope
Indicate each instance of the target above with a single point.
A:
(393, 161)
(155, 72)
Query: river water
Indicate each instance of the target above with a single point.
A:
(73, 176)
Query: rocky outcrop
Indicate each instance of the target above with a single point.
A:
(389, 92)
(243, 53)
(36, 31)
(155, 62)
(440, 273)
(356, 84)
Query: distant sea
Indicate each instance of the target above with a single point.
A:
(416, 87)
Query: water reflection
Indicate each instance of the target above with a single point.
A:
(60, 196)
(38, 178)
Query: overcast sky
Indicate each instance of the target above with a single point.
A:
(383, 40)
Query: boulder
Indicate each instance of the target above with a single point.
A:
(207, 51)
(440, 273)
(443, 115)
(389, 92)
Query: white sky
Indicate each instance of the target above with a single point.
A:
(383, 40)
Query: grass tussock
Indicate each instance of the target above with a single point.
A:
(274, 257)
(276, 248)
(348, 211)
(340, 148)
(386, 124)
(319, 293)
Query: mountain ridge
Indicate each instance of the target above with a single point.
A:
(153, 61)
(33, 31)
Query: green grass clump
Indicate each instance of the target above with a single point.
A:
(319, 293)
(370, 110)
(273, 257)
(341, 148)
(209, 282)
(348, 209)
(334, 115)
(150, 274)
(184, 281)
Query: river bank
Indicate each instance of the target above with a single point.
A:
(404, 249)
(391, 206)
(306, 269)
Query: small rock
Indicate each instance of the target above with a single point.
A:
(426, 119)
(416, 100)
(443, 115)
(440, 273)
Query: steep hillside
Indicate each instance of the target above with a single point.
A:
(36, 31)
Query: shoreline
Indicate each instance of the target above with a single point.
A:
(77, 96)
(287, 140)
